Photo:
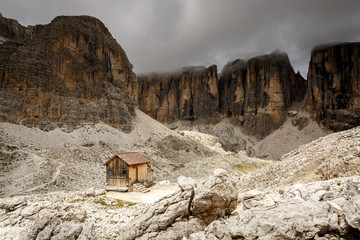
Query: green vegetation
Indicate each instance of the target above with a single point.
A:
(249, 167)
(112, 203)
(177, 167)
(78, 200)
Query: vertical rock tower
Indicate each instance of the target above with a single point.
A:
(189, 94)
(333, 95)
(258, 93)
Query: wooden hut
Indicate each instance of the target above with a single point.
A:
(125, 169)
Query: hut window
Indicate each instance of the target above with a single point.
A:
(123, 173)
(110, 172)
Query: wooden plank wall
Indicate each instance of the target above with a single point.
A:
(116, 165)
(132, 174)
(121, 182)
(142, 172)
(149, 176)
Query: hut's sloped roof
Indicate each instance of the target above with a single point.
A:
(131, 158)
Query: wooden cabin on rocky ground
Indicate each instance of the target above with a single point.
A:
(126, 171)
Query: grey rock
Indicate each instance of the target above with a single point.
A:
(255, 198)
(30, 210)
(220, 171)
(13, 233)
(186, 183)
(40, 225)
(214, 198)
(88, 232)
(352, 212)
(47, 232)
(12, 204)
(75, 216)
(186, 211)
(300, 213)
(67, 230)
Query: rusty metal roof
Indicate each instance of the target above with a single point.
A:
(131, 158)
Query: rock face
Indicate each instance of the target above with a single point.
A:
(189, 94)
(185, 212)
(10, 30)
(333, 94)
(231, 87)
(63, 74)
(319, 210)
(259, 93)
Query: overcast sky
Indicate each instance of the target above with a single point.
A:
(162, 35)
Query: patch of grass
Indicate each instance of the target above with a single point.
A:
(129, 204)
(77, 200)
(177, 167)
(249, 167)
(118, 203)
(100, 201)
(113, 203)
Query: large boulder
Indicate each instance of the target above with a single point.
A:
(185, 212)
(317, 210)
(214, 198)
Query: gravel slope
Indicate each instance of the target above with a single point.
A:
(335, 155)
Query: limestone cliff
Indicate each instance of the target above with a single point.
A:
(333, 95)
(256, 94)
(271, 87)
(189, 94)
(232, 88)
(68, 72)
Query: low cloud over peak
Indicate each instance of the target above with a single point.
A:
(164, 35)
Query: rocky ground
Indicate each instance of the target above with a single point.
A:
(64, 215)
(332, 156)
(298, 130)
(209, 209)
(313, 193)
(36, 161)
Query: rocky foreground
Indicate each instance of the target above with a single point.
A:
(212, 209)
(313, 193)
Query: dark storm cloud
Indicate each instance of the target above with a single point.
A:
(160, 35)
